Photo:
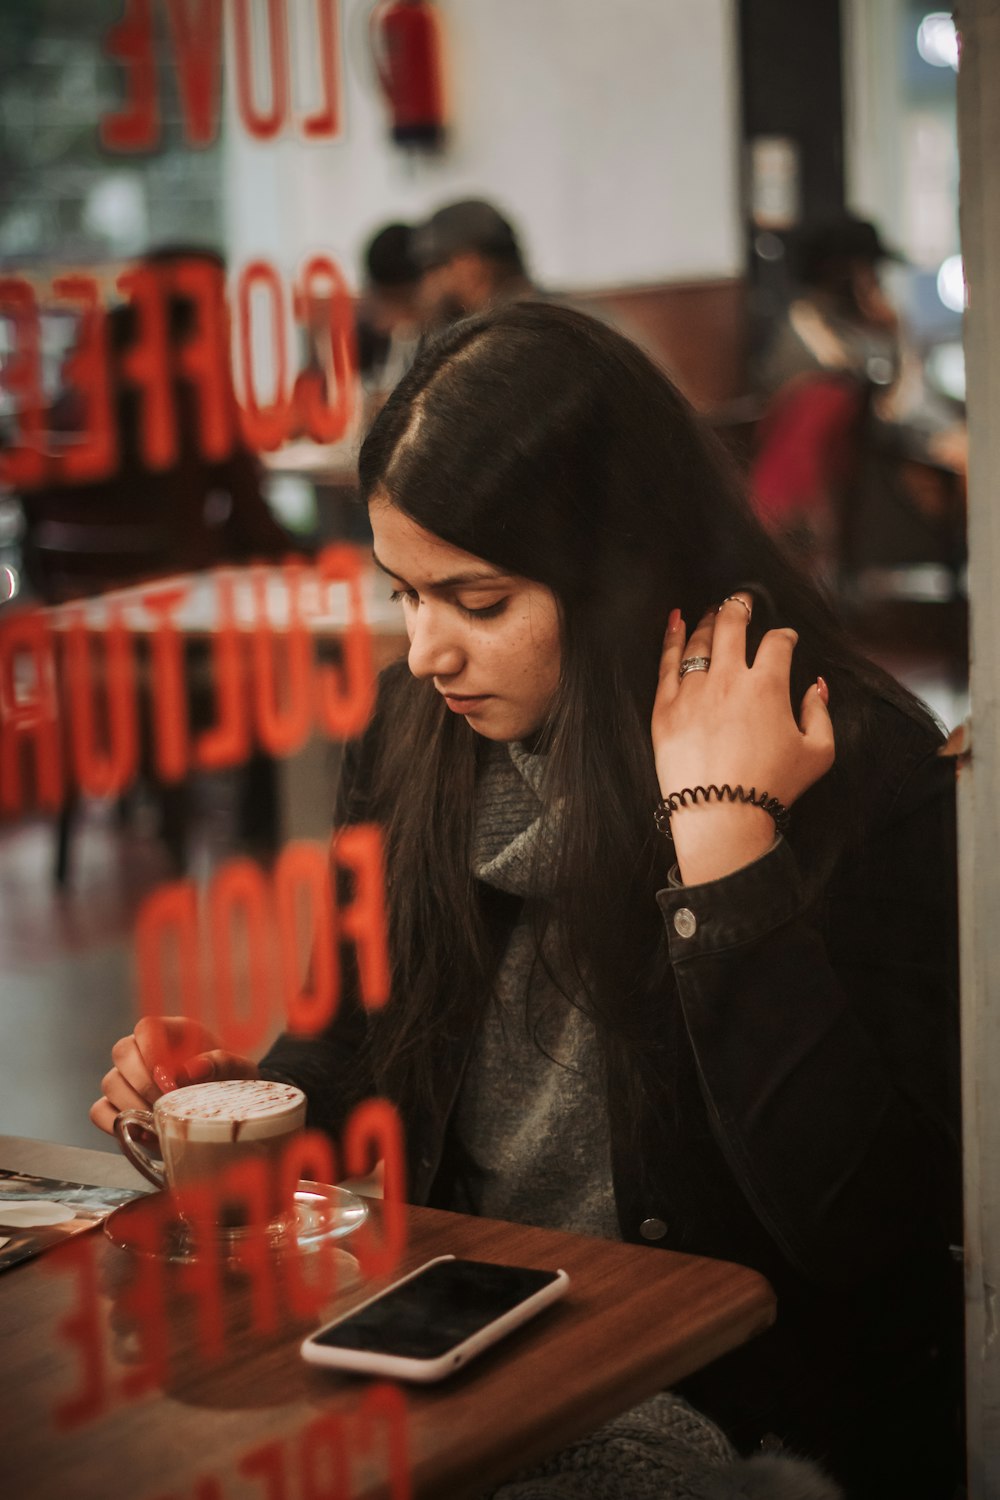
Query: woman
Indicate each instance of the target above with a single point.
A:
(737, 1042)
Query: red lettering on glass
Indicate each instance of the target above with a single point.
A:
(282, 726)
(324, 1452)
(357, 851)
(238, 895)
(267, 1463)
(201, 1276)
(374, 1133)
(326, 120)
(315, 1463)
(23, 464)
(304, 898)
(323, 290)
(346, 694)
(309, 1280)
(146, 364)
(291, 696)
(203, 356)
(143, 1300)
(264, 126)
(382, 1418)
(170, 715)
(167, 929)
(321, 404)
(131, 42)
(103, 762)
(197, 43)
(292, 914)
(29, 713)
(82, 1328)
(264, 427)
(93, 452)
(227, 743)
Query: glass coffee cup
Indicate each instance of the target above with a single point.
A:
(222, 1147)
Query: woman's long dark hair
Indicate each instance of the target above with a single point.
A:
(552, 447)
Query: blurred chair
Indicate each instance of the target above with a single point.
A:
(805, 468)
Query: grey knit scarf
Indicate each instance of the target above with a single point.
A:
(530, 1120)
(665, 1450)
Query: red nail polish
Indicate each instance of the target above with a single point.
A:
(163, 1080)
(822, 689)
(674, 620)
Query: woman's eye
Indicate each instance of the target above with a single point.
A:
(486, 611)
(481, 612)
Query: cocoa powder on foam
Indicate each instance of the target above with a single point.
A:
(233, 1109)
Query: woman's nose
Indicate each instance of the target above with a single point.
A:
(434, 649)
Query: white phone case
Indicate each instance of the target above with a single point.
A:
(399, 1367)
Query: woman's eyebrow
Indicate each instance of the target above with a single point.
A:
(454, 581)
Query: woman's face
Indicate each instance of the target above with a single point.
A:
(489, 640)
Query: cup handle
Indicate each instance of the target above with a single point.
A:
(141, 1159)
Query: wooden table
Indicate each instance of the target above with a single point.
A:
(263, 1424)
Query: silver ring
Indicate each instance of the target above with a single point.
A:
(735, 599)
(694, 664)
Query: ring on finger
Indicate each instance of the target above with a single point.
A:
(735, 599)
(694, 664)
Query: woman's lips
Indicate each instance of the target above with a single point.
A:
(463, 703)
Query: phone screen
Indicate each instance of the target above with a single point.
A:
(441, 1307)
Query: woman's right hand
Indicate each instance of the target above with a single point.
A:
(161, 1055)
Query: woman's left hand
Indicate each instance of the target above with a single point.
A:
(735, 724)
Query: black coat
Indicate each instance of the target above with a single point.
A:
(804, 1121)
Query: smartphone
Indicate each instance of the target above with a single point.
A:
(434, 1320)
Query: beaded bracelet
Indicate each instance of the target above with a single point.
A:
(725, 793)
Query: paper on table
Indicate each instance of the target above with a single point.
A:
(44, 1211)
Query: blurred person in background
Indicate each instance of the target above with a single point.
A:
(470, 259)
(388, 324)
(841, 319)
(858, 462)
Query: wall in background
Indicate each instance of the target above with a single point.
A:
(608, 132)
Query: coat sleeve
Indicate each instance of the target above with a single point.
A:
(826, 1039)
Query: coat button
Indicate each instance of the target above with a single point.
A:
(685, 922)
(652, 1229)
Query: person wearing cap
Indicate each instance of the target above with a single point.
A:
(470, 259)
(841, 319)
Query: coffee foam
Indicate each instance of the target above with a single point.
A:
(236, 1109)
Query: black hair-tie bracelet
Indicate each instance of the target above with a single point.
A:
(690, 795)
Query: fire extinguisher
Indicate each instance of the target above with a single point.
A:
(406, 46)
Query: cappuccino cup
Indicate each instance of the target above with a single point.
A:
(214, 1140)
